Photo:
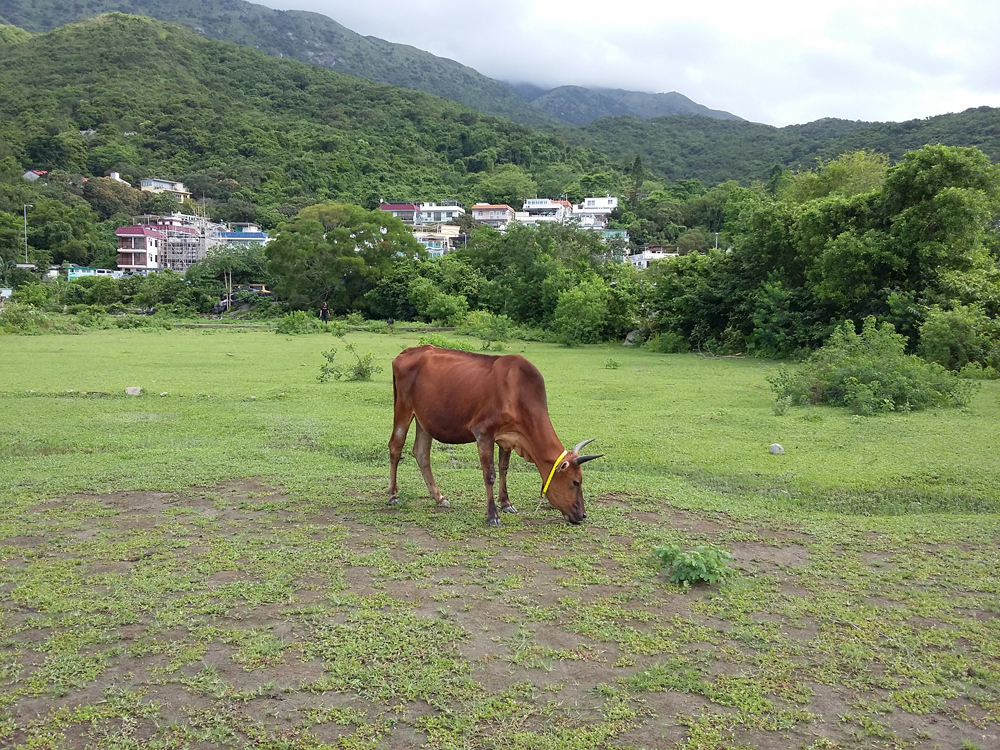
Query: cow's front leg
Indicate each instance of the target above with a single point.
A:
(503, 462)
(485, 445)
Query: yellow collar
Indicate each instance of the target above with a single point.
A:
(553, 472)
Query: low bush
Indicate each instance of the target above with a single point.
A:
(667, 342)
(21, 318)
(378, 326)
(363, 368)
(959, 337)
(299, 322)
(436, 339)
(706, 562)
(612, 364)
(870, 373)
(494, 330)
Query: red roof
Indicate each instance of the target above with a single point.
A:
(399, 207)
(137, 231)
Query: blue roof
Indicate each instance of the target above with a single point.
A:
(243, 235)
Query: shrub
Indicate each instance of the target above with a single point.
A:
(363, 368)
(706, 562)
(870, 374)
(955, 338)
(298, 322)
(436, 339)
(377, 326)
(22, 318)
(450, 309)
(612, 364)
(667, 342)
(494, 330)
(337, 327)
(354, 319)
(580, 313)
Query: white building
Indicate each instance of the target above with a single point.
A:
(544, 211)
(593, 213)
(643, 258)
(176, 189)
(432, 213)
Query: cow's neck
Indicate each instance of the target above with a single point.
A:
(543, 448)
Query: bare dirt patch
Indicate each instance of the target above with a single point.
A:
(215, 604)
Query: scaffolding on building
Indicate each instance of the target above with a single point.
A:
(187, 238)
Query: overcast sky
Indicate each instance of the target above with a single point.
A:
(775, 61)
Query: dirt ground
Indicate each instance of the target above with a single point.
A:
(241, 616)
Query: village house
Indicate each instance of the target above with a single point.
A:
(140, 248)
(496, 215)
(405, 212)
(176, 189)
(537, 211)
(432, 213)
(35, 174)
(593, 213)
(649, 253)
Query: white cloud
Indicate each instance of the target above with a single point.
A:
(773, 61)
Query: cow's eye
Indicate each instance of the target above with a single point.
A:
(576, 483)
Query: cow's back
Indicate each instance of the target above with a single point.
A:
(451, 392)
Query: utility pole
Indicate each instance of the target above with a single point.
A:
(716, 240)
(26, 207)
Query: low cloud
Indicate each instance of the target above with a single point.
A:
(774, 61)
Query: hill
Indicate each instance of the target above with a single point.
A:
(713, 150)
(254, 133)
(581, 106)
(299, 35)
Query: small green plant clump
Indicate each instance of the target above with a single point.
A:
(363, 368)
(870, 373)
(494, 330)
(297, 322)
(667, 342)
(706, 562)
(612, 364)
(442, 342)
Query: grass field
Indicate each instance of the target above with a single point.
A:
(213, 564)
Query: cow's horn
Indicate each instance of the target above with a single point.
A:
(583, 459)
(581, 445)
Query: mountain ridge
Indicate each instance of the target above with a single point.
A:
(320, 40)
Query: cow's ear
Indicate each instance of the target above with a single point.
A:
(563, 466)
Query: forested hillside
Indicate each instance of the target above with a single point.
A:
(259, 137)
(713, 150)
(577, 105)
(299, 35)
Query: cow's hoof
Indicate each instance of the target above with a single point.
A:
(493, 521)
(442, 503)
(509, 509)
(393, 501)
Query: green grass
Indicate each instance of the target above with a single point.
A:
(217, 565)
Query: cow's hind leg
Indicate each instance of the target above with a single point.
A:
(422, 452)
(502, 463)
(400, 426)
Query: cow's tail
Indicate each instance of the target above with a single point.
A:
(394, 387)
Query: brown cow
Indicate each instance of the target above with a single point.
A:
(461, 397)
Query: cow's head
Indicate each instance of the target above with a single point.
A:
(565, 491)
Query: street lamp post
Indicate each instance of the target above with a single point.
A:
(716, 240)
(26, 207)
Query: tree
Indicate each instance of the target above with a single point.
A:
(336, 252)
(581, 311)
